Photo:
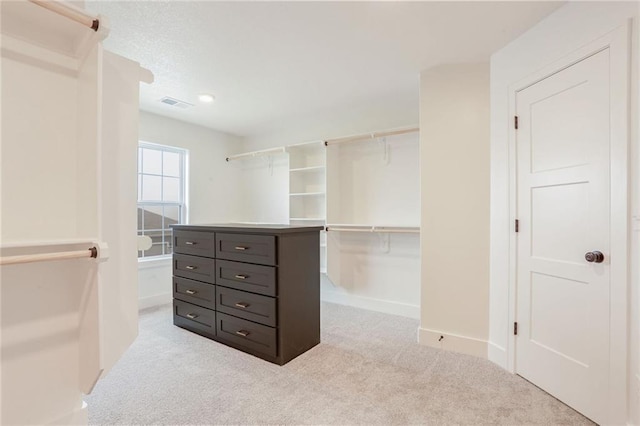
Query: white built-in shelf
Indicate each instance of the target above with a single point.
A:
(306, 194)
(309, 169)
(307, 219)
(373, 228)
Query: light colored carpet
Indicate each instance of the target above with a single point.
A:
(367, 370)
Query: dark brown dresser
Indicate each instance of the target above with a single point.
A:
(253, 287)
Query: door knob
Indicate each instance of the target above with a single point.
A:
(594, 256)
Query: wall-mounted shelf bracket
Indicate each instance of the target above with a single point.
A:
(385, 241)
(382, 141)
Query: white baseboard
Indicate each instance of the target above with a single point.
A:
(155, 300)
(385, 306)
(77, 417)
(453, 342)
(497, 355)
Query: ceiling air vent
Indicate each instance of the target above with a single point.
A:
(175, 102)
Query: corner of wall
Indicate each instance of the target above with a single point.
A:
(451, 342)
(454, 244)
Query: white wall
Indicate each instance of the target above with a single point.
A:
(454, 153)
(264, 185)
(213, 195)
(361, 117)
(34, 180)
(571, 27)
(634, 294)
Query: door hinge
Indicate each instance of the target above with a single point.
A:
(517, 227)
(515, 328)
(515, 121)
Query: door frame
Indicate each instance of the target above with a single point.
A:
(618, 43)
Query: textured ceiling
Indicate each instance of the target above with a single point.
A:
(269, 63)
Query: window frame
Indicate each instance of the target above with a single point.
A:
(182, 204)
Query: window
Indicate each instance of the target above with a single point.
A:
(161, 195)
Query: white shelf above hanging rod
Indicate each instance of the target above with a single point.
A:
(308, 169)
(261, 153)
(374, 228)
(306, 194)
(312, 219)
(373, 135)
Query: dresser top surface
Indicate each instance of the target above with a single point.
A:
(253, 228)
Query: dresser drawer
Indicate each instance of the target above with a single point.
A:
(195, 243)
(194, 318)
(202, 294)
(246, 277)
(257, 337)
(260, 249)
(194, 267)
(252, 307)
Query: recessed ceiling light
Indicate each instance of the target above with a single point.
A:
(206, 98)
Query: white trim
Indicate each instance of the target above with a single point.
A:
(379, 305)
(154, 262)
(155, 300)
(618, 43)
(497, 354)
(453, 342)
(79, 416)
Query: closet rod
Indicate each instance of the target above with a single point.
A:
(43, 257)
(278, 150)
(69, 11)
(374, 229)
(370, 136)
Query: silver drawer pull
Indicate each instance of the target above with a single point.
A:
(190, 291)
(192, 316)
(242, 333)
(241, 277)
(191, 268)
(190, 243)
(242, 305)
(240, 248)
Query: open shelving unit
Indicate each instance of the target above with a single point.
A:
(361, 188)
(307, 189)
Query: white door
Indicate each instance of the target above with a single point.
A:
(563, 144)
